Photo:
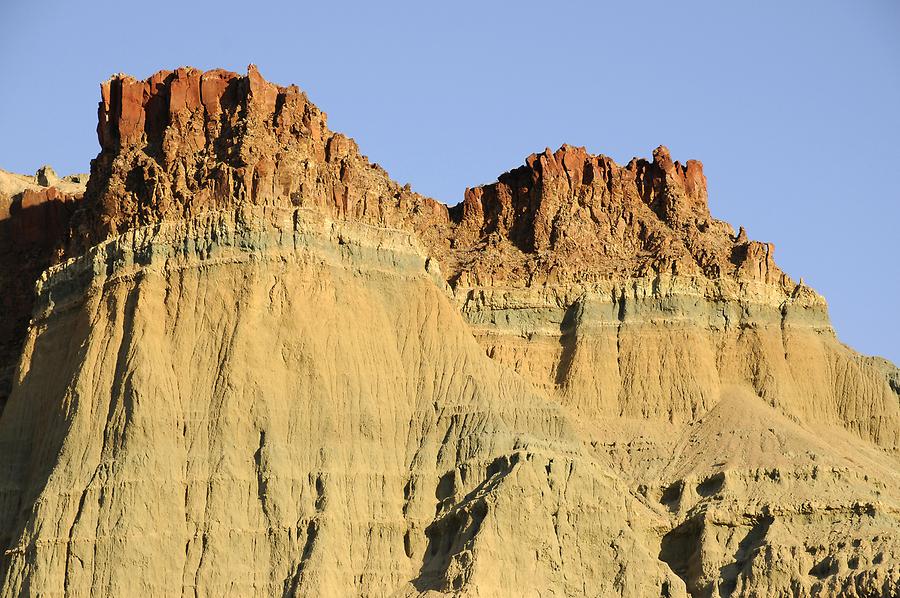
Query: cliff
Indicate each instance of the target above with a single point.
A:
(259, 366)
(34, 228)
(187, 142)
(584, 217)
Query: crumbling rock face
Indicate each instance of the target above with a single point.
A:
(258, 366)
(577, 217)
(34, 228)
(186, 142)
(614, 289)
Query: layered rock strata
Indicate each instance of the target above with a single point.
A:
(308, 452)
(615, 289)
(263, 367)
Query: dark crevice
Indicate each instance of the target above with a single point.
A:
(455, 531)
(568, 340)
(711, 485)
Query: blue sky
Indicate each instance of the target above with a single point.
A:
(793, 107)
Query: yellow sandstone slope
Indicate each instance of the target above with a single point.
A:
(267, 403)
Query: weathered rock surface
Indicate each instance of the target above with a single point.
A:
(261, 367)
(577, 217)
(34, 228)
(615, 289)
(186, 142)
(308, 451)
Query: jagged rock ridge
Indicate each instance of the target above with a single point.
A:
(265, 368)
(582, 216)
(185, 142)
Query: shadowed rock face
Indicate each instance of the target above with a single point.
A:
(34, 229)
(262, 367)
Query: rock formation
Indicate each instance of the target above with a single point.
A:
(258, 366)
(186, 142)
(34, 228)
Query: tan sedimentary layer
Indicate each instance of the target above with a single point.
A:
(13, 184)
(662, 348)
(309, 451)
(342, 433)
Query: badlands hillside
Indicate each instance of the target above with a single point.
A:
(245, 362)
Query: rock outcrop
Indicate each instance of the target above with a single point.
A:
(258, 366)
(186, 142)
(614, 288)
(34, 229)
(576, 217)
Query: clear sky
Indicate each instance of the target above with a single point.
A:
(793, 107)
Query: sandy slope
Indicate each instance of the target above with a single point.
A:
(278, 411)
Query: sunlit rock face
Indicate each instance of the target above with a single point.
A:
(252, 364)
